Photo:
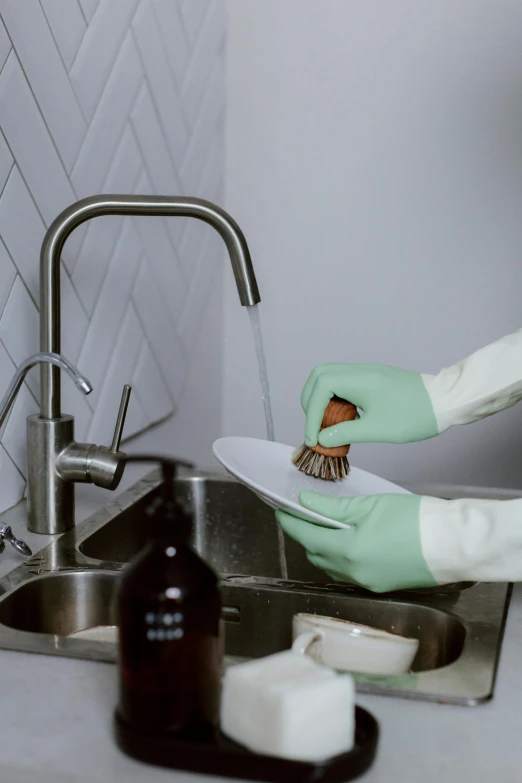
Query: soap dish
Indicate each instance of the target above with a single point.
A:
(221, 756)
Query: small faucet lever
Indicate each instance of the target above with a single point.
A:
(91, 464)
(120, 421)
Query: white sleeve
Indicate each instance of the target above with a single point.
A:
(486, 382)
(475, 540)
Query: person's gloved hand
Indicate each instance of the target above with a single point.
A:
(396, 404)
(381, 552)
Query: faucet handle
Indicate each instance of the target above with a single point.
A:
(120, 420)
(100, 465)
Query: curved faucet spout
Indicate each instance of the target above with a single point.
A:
(82, 383)
(94, 206)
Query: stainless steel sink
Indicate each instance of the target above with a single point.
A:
(233, 530)
(71, 585)
(66, 602)
(62, 603)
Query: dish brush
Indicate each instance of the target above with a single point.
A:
(320, 462)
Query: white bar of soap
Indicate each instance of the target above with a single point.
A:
(287, 705)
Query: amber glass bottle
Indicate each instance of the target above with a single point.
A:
(169, 627)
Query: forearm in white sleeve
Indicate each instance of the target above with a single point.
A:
(486, 382)
(472, 540)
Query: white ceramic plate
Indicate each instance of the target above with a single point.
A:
(267, 469)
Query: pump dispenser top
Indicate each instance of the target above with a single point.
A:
(166, 517)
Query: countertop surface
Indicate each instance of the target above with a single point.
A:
(56, 721)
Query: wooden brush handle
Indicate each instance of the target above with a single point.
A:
(336, 412)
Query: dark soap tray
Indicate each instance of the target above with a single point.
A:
(221, 756)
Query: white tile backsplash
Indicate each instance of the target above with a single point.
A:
(114, 96)
(211, 183)
(119, 372)
(207, 45)
(7, 370)
(110, 308)
(175, 43)
(162, 87)
(41, 61)
(6, 161)
(5, 44)
(19, 329)
(67, 25)
(207, 117)
(109, 121)
(22, 229)
(13, 438)
(75, 322)
(88, 7)
(98, 52)
(11, 479)
(12, 483)
(7, 275)
(157, 324)
(201, 286)
(31, 143)
(149, 136)
(193, 12)
(149, 386)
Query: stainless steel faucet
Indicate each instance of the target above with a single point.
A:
(5, 406)
(55, 461)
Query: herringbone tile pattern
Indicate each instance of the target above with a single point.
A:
(107, 96)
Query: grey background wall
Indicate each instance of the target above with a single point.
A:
(372, 158)
(114, 96)
(374, 162)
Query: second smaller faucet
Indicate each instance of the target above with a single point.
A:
(72, 462)
(82, 383)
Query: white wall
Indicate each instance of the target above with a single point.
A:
(114, 96)
(374, 163)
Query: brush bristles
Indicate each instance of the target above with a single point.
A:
(319, 466)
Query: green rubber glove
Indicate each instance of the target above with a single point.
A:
(396, 404)
(381, 552)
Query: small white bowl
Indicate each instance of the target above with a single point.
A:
(348, 646)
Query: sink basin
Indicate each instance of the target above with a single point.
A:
(62, 603)
(258, 621)
(233, 530)
(71, 586)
